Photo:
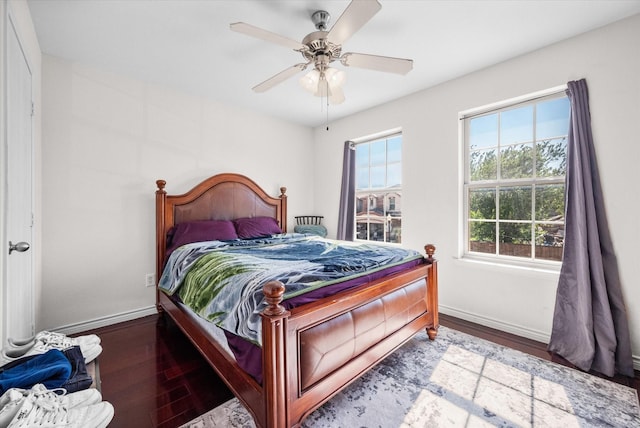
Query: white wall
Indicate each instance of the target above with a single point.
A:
(107, 138)
(17, 12)
(516, 300)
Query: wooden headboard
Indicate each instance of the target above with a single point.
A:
(221, 197)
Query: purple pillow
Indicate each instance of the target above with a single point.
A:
(199, 231)
(255, 227)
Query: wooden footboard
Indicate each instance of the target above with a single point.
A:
(314, 351)
(366, 325)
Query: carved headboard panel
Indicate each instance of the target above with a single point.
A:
(225, 201)
(221, 197)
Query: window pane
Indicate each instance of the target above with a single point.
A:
(362, 156)
(377, 177)
(483, 165)
(482, 237)
(362, 205)
(515, 239)
(515, 203)
(482, 203)
(361, 230)
(550, 202)
(552, 118)
(379, 189)
(362, 178)
(551, 157)
(516, 126)
(376, 232)
(394, 175)
(378, 152)
(516, 161)
(376, 204)
(394, 149)
(549, 241)
(483, 132)
(394, 234)
(516, 164)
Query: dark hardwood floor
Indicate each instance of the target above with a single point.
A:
(154, 377)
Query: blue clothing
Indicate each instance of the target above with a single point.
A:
(52, 369)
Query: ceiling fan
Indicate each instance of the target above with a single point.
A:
(321, 48)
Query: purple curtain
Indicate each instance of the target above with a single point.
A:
(346, 213)
(590, 326)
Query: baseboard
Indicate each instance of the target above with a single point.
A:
(497, 324)
(106, 321)
(508, 327)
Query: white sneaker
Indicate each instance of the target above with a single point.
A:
(91, 353)
(10, 403)
(8, 355)
(11, 354)
(41, 411)
(80, 398)
(87, 340)
(12, 400)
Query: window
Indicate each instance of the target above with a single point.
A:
(515, 160)
(379, 189)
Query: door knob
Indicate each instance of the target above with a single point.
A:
(20, 246)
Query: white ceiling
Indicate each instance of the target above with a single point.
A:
(187, 44)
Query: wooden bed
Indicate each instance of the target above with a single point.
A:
(399, 305)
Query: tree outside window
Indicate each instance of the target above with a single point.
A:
(514, 186)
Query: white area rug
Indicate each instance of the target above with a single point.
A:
(462, 381)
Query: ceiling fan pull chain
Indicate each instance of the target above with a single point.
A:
(327, 113)
(326, 81)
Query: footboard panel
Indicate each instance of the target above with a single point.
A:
(331, 343)
(327, 346)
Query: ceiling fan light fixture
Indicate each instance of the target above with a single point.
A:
(310, 81)
(335, 77)
(326, 84)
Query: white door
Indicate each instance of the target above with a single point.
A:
(19, 299)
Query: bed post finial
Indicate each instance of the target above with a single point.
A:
(161, 184)
(273, 292)
(283, 209)
(430, 249)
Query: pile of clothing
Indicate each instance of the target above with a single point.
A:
(44, 382)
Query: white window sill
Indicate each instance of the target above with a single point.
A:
(495, 263)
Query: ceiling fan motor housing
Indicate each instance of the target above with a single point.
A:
(320, 49)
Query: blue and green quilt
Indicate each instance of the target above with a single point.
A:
(222, 280)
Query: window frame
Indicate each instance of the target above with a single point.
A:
(373, 194)
(466, 185)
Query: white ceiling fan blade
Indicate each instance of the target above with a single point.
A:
(376, 62)
(279, 78)
(259, 33)
(358, 13)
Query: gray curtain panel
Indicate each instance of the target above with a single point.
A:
(346, 213)
(590, 326)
